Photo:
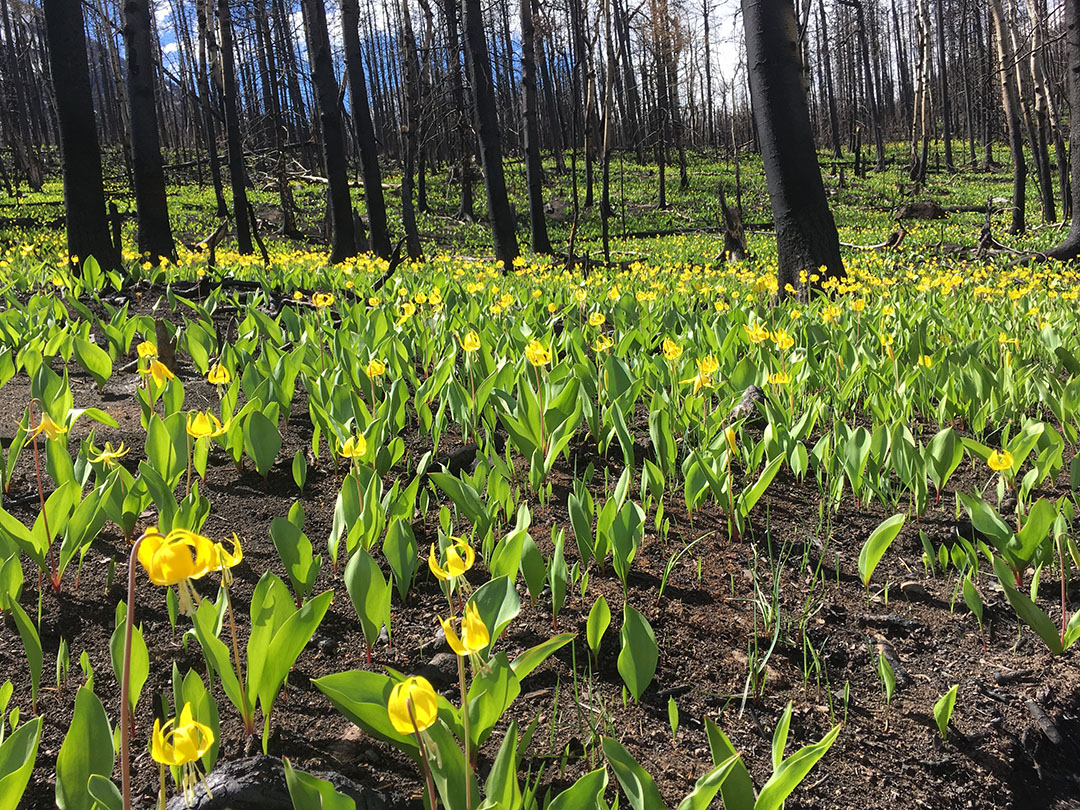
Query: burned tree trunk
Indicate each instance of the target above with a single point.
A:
(343, 241)
(806, 237)
(487, 131)
(155, 232)
(1011, 102)
(533, 169)
(1070, 248)
(237, 176)
(84, 192)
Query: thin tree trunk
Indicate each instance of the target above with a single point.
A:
(412, 131)
(237, 175)
(533, 168)
(1011, 104)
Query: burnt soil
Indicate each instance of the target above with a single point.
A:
(1013, 695)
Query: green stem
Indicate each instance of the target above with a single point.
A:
(125, 680)
(423, 756)
(465, 727)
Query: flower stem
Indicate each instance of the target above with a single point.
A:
(249, 719)
(465, 727)
(423, 756)
(125, 680)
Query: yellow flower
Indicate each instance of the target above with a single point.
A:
(373, 301)
(537, 354)
(47, 426)
(858, 305)
(108, 455)
(408, 309)
(597, 319)
(203, 425)
(706, 367)
(297, 295)
(1000, 461)
(228, 559)
(603, 343)
(474, 633)
(146, 349)
(551, 309)
(708, 364)
(783, 340)
(672, 350)
(757, 333)
(184, 743)
(924, 360)
(471, 341)
(321, 299)
(354, 447)
(219, 375)
(413, 705)
(159, 371)
(729, 434)
(459, 559)
(376, 368)
(180, 555)
(780, 378)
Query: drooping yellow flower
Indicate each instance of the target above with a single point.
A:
(228, 559)
(706, 366)
(603, 343)
(413, 705)
(181, 741)
(219, 375)
(408, 309)
(474, 633)
(1000, 461)
(783, 340)
(924, 360)
(51, 429)
(756, 332)
(537, 353)
(471, 341)
(672, 350)
(597, 319)
(354, 446)
(146, 349)
(459, 559)
(108, 455)
(376, 368)
(159, 371)
(203, 425)
(858, 305)
(321, 299)
(780, 378)
(729, 434)
(177, 556)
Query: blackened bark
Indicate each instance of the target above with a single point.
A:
(365, 130)
(343, 236)
(84, 192)
(868, 81)
(533, 169)
(1070, 248)
(411, 131)
(462, 134)
(155, 232)
(487, 131)
(209, 125)
(237, 176)
(806, 237)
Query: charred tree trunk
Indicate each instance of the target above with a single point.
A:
(411, 127)
(487, 131)
(84, 192)
(1011, 103)
(1070, 248)
(237, 175)
(943, 75)
(533, 168)
(806, 236)
(365, 130)
(868, 81)
(155, 232)
(206, 108)
(343, 240)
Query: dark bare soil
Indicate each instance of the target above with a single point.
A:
(708, 626)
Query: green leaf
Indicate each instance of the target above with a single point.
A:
(706, 788)
(94, 359)
(311, 793)
(639, 787)
(1028, 611)
(166, 447)
(943, 710)
(498, 603)
(105, 792)
(262, 442)
(585, 794)
(639, 654)
(598, 623)
(140, 659)
(945, 452)
(369, 593)
(737, 790)
(529, 660)
(401, 552)
(501, 791)
(749, 498)
(31, 645)
(362, 697)
(87, 749)
(792, 771)
(1035, 530)
(780, 735)
(877, 544)
(17, 756)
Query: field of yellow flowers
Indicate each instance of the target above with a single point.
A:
(544, 539)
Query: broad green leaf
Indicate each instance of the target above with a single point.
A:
(877, 544)
(637, 784)
(598, 623)
(17, 755)
(369, 592)
(87, 749)
(943, 710)
(311, 793)
(639, 653)
(585, 794)
(737, 790)
(262, 442)
(94, 359)
(792, 771)
(498, 603)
